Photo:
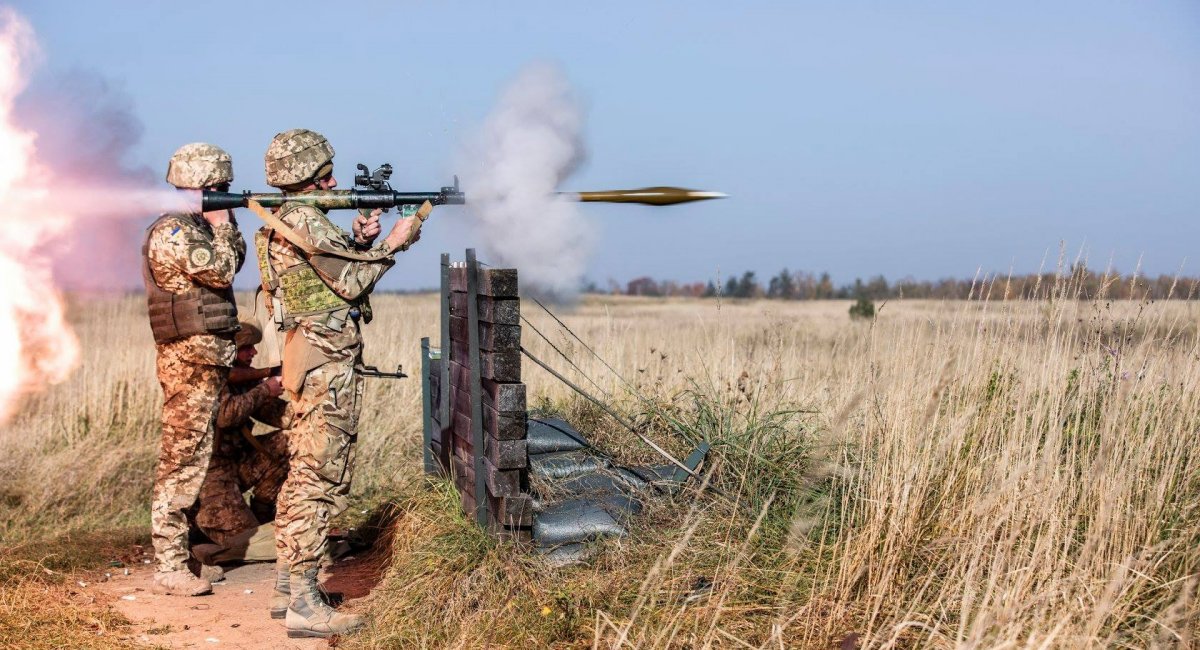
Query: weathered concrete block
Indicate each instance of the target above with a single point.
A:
(497, 283)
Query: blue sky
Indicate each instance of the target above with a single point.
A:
(923, 139)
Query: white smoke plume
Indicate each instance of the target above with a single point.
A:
(528, 145)
(61, 183)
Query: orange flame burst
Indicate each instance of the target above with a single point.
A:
(37, 346)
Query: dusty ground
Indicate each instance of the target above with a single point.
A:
(234, 616)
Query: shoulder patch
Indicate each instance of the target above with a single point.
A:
(200, 255)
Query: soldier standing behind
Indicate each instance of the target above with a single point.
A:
(189, 264)
(319, 278)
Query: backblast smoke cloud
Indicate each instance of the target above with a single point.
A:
(69, 212)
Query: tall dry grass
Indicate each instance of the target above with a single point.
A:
(1007, 474)
(975, 474)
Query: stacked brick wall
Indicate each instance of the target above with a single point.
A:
(502, 405)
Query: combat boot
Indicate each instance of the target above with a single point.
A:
(308, 616)
(282, 597)
(180, 583)
(210, 572)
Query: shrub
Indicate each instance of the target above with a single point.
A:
(863, 308)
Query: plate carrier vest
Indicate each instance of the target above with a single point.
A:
(199, 310)
(297, 291)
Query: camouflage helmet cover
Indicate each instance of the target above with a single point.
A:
(296, 157)
(249, 334)
(199, 165)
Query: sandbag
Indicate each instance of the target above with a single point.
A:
(601, 482)
(549, 435)
(564, 464)
(566, 554)
(656, 474)
(574, 520)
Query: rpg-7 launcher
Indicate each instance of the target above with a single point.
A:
(370, 192)
(374, 191)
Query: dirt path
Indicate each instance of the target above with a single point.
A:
(234, 616)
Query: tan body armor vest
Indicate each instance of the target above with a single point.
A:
(199, 310)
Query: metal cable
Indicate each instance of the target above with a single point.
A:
(604, 407)
(625, 423)
(565, 357)
(628, 385)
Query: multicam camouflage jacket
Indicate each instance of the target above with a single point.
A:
(317, 287)
(185, 252)
(313, 295)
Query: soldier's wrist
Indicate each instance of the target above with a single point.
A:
(261, 392)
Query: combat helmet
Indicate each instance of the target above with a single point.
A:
(198, 165)
(249, 334)
(297, 157)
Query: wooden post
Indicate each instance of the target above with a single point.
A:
(485, 446)
(476, 388)
(445, 418)
(426, 409)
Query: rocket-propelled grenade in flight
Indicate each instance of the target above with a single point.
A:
(373, 191)
(646, 195)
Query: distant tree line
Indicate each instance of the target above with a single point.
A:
(1076, 281)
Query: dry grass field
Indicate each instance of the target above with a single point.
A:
(960, 474)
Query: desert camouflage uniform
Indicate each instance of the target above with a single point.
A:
(183, 252)
(320, 355)
(239, 465)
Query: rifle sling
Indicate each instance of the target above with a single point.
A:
(248, 434)
(303, 244)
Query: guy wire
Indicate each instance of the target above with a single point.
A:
(625, 423)
(555, 347)
(587, 347)
(704, 485)
(589, 444)
(565, 357)
(628, 385)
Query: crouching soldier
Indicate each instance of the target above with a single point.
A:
(244, 463)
